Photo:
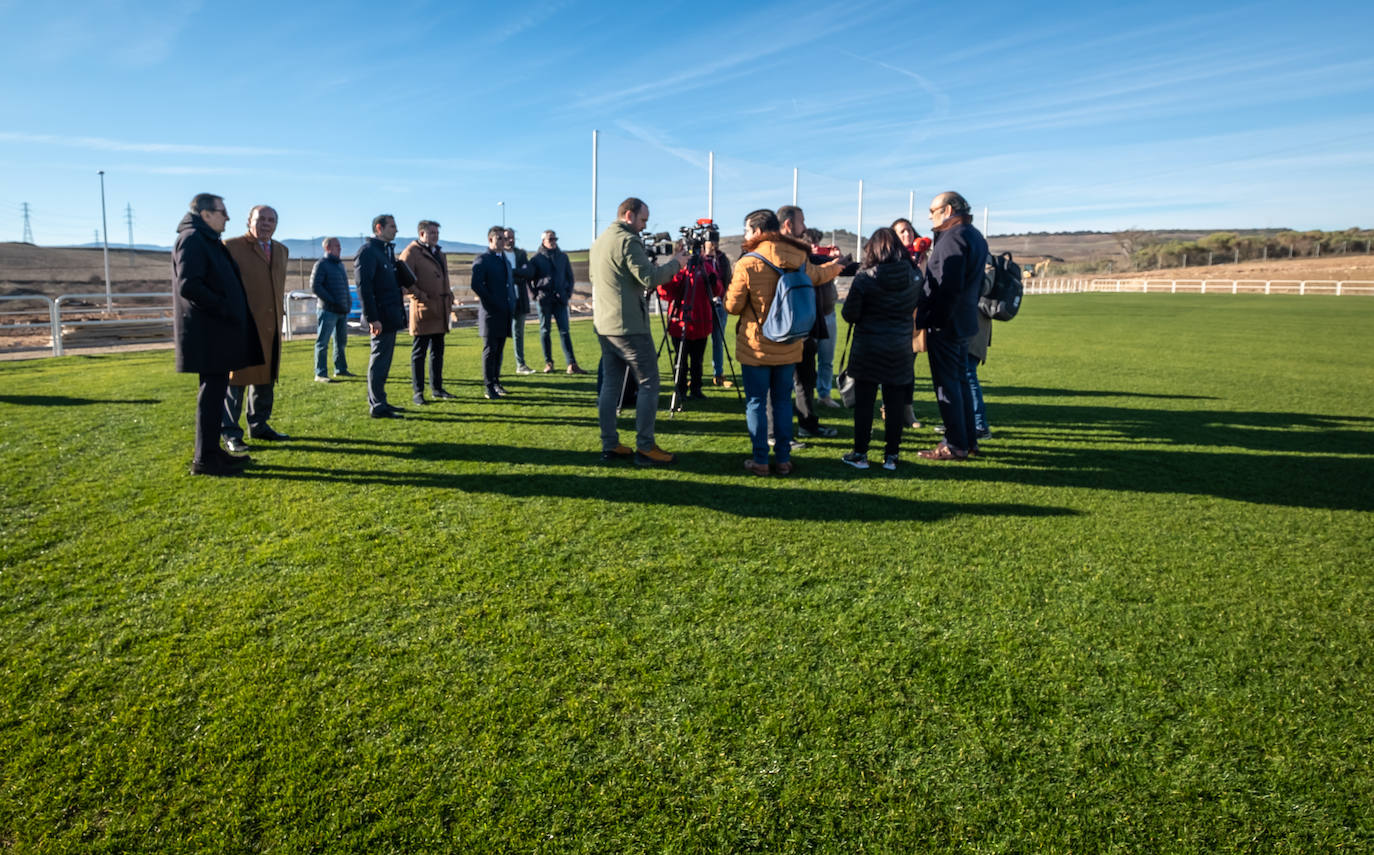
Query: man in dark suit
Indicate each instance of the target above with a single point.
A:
(212, 325)
(493, 281)
(948, 308)
(380, 295)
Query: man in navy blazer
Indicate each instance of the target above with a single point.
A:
(493, 281)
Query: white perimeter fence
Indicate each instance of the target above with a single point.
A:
(49, 327)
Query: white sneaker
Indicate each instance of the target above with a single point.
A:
(856, 459)
(523, 369)
(830, 402)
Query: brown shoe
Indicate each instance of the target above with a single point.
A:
(654, 457)
(576, 369)
(784, 469)
(759, 469)
(548, 367)
(943, 451)
(620, 452)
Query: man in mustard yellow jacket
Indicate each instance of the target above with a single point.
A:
(262, 264)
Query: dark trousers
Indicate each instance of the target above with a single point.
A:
(865, 395)
(380, 349)
(687, 368)
(493, 343)
(260, 397)
(948, 355)
(209, 412)
(434, 343)
(804, 387)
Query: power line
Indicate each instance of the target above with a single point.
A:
(28, 231)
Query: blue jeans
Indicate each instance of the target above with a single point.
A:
(975, 390)
(718, 341)
(825, 360)
(335, 324)
(517, 332)
(556, 313)
(761, 384)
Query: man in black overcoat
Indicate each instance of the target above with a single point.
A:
(493, 281)
(211, 323)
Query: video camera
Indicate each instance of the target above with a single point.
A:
(694, 238)
(656, 244)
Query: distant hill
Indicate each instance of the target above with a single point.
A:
(299, 247)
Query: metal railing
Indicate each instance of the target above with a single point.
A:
(23, 320)
(1335, 287)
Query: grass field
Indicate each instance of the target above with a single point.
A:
(1143, 623)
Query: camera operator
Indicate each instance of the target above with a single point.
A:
(692, 295)
(717, 265)
(622, 277)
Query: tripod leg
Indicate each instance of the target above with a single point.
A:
(725, 346)
(624, 383)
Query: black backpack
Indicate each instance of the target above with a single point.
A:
(1003, 300)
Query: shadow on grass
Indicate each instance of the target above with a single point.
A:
(1039, 392)
(744, 499)
(68, 401)
(1287, 459)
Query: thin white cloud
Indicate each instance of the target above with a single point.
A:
(105, 144)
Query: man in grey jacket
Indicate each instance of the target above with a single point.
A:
(329, 282)
(622, 277)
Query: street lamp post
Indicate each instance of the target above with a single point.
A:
(105, 239)
(502, 206)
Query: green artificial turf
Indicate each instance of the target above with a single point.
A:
(1142, 623)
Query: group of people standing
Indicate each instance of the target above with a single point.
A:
(228, 297)
(898, 290)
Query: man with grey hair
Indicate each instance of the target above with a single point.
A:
(329, 283)
(262, 265)
(948, 308)
(211, 323)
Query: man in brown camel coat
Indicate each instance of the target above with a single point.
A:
(431, 300)
(262, 264)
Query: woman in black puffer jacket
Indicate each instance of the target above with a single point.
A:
(879, 307)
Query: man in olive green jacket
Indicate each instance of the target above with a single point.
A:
(622, 277)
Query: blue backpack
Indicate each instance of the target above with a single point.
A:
(793, 311)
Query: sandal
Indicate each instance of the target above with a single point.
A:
(943, 451)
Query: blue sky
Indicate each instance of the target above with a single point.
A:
(1055, 116)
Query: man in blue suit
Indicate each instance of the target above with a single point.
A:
(493, 281)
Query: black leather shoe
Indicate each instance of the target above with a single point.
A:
(236, 445)
(214, 466)
(500, 390)
(268, 434)
(386, 413)
(443, 395)
(344, 374)
(232, 460)
(490, 393)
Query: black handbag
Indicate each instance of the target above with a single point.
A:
(843, 381)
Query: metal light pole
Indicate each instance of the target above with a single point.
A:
(794, 185)
(595, 223)
(859, 238)
(711, 186)
(911, 207)
(502, 206)
(105, 240)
